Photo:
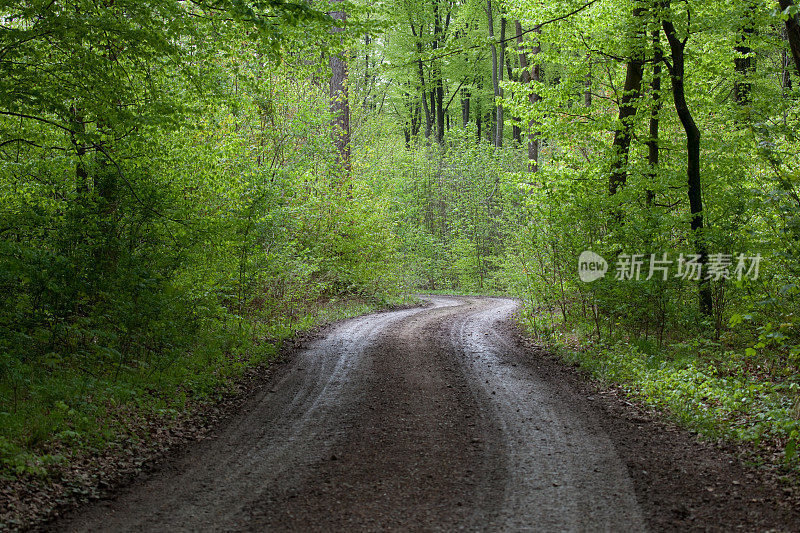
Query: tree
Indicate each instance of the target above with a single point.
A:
(792, 30)
(631, 92)
(340, 101)
(530, 73)
(743, 62)
(655, 110)
(498, 65)
(677, 70)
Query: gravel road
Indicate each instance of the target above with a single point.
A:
(437, 418)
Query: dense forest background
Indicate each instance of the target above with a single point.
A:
(183, 184)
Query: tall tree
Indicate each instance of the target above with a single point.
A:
(530, 73)
(743, 62)
(340, 101)
(497, 73)
(655, 110)
(792, 30)
(440, 26)
(631, 92)
(417, 34)
(498, 141)
(677, 70)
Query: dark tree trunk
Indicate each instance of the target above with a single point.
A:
(437, 93)
(627, 113)
(516, 133)
(421, 75)
(416, 118)
(792, 33)
(587, 93)
(340, 102)
(465, 106)
(496, 66)
(479, 112)
(81, 174)
(695, 192)
(439, 109)
(655, 89)
(500, 120)
(743, 63)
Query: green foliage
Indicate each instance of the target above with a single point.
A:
(446, 204)
(717, 398)
(170, 210)
(171, 203)
(470, 217)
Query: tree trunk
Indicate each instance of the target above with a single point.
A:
(479, 113)
(418, 116)
(587, 92)
(465, 106)
(340, 103)
(655, 89)
(495, 66)
(421, 75)
(528, 75)
(81, 174)
(627, 113)
(743, 63)
(695, 192)
(792, 33)
(500, 125)
(438, 90)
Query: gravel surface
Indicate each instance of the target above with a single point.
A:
(440, 418)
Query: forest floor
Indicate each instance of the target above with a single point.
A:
(440, 418)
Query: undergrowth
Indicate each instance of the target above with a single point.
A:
(65, 409)
(697, 383)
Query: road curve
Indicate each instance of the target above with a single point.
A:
(428, 418)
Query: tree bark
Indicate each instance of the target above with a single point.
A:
(528, 75)
(465, 95)
(587, 91)
(81, 174)
(792, 33)
(743, 63)
(495, 66)
(655, 90)
(695, 192)
(340, 102)
(438, 89)
(421, 75)
(627, 113)
(500, 124)
(479, 111)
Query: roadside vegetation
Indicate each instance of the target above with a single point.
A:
(183, 185)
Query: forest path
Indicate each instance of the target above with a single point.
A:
(437, 418)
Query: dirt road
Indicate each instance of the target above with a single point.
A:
(438, 419)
